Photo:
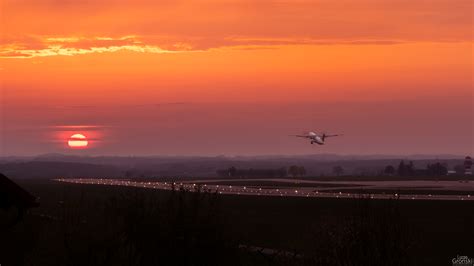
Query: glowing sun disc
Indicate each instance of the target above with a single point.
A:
(77, 141)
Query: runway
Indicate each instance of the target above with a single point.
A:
(464, 190)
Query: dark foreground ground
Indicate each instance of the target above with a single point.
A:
(102, 225)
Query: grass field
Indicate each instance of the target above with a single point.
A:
(97, 225)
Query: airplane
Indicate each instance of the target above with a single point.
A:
(316, 138)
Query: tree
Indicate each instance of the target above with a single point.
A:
(338, 170)
(389, 170)
(301, 171)
(293, 171)
(401, 169)
(437, 169)
(410, 169)
(232, 171)
(406, 169)
(282, 172)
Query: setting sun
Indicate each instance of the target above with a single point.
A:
(77, 141)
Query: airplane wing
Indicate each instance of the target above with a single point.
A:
(300, 136)
(333, 135)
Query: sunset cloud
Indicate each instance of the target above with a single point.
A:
(28, 47)
(318, 19)
(145, 26)
(69, 46)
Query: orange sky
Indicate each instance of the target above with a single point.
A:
(395, 76)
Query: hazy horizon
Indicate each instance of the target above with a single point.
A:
(243, 131)
(249, 156)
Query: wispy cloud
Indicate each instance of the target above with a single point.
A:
(28, 47)
(307, 41)
(78, 127)
(166, 26)
(69, 46)
(45, 46)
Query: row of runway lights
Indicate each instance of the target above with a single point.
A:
(237, 189)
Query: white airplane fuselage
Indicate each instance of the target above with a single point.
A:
(315, 138)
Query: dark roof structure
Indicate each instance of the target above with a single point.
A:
(12, 195)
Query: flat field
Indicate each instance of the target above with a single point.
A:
(99, 225)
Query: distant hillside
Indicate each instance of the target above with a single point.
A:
(133, 160)
(51, 166)
(35, 169)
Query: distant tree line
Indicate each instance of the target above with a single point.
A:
(408, 169)
(235, 172)
(293, 171)
(338, 170)
(437, 169)
(296, 171)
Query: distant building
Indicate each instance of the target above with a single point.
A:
(452, 172)
(12, 195)
(468, 165)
